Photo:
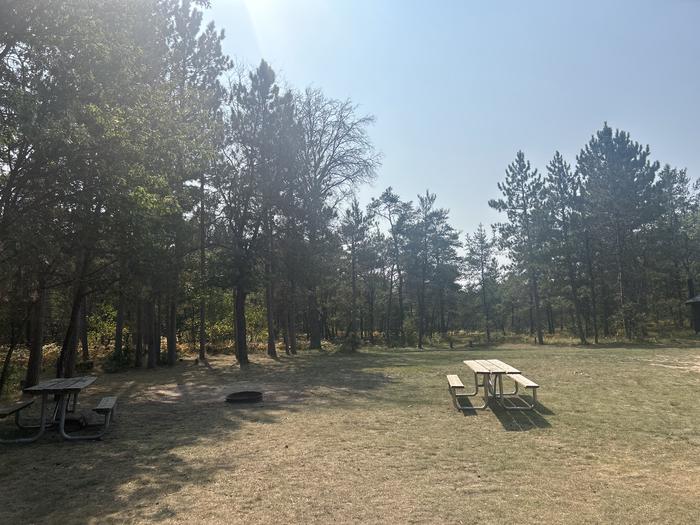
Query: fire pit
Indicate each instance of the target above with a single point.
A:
(244, 396)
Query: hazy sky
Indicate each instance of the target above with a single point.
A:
(457, 87)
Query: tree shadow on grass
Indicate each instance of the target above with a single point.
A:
(174, 432)
(168, 422)
(124, 475)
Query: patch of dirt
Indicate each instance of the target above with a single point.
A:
(687, 365)
(193, 393)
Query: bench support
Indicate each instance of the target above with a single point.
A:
(79, 437)
(494, 389)
(41, 426)
(528, 406)
(457, 394)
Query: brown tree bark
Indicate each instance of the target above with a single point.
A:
(315, 322)
(139, 337)
(65, 365)
(241, 342)
(388, 327)
(537, 317)
(84, 330)
(154, 339)
(119, 330)
(15, 331)
(36, 339)
(592, 287)
(292, 333)
(172, 330)
(202, 274)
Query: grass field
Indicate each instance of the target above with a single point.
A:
(374, 438)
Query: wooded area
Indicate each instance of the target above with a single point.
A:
(150, 188)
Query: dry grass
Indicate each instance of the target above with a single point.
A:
(374, 438)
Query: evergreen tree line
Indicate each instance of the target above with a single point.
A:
(151, 192)
(607, 248)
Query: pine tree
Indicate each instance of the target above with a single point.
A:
(522, 202)
(482, 268)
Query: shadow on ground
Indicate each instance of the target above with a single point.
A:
(167, 419)
(512, 420)
(522, 420)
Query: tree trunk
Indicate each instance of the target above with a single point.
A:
(154, 339)
(622, 295)
(352, 336)
(172, 329)
(15, 331)
(387, 334)
(139, 336)
(538, 312)
(575, 299)
(36, 339)
(484, 303)
(370, 320)
(84, 330)
(421, 305)
(441, 315)
(202, 274)
(605, 308)
(592, 288)
(119, 331)
(269, 290)
(65, 365)
(269, 303)
(241, 341)
(315, 322)
(292, 319)
(285, 334)
(402, 333)
(550, 319)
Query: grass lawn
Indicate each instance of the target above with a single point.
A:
(374, 438)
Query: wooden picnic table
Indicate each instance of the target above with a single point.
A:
(492, 372)
(62, 389)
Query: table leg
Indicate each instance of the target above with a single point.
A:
(514, 392)
(62, 424)
(75, 401)
(56, 407)
(487, 387)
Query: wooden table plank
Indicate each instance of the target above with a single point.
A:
(490, 366)
(61, 384)
(508, 369)
(476, 366)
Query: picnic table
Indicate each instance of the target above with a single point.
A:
(491, 372)
(61, 390)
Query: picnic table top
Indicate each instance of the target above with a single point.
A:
(490, 366)
(61, 384)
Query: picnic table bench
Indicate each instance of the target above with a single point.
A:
(492, 372)
(62, 389)
(15, 408)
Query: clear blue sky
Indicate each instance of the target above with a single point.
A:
(457, 87)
